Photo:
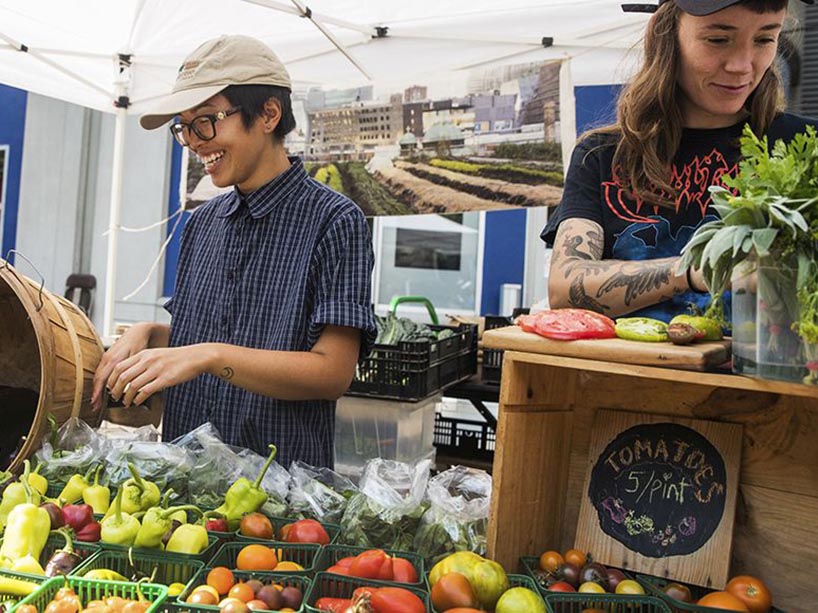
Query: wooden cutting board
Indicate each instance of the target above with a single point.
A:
(698, 356)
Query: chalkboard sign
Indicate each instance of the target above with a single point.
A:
(660, 495)
(659, 489)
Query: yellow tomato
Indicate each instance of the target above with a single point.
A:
(629, 586)
(591, 588)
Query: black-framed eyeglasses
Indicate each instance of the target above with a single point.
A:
(203, 126)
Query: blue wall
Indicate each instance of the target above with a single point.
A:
(596, 105)
(12, 129)
(503, 255)
(172, 252)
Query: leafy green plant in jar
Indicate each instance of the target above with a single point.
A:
(764, 245)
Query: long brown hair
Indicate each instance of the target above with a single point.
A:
(648, 115)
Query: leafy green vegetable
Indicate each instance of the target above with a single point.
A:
(367, 523)
(769, 215)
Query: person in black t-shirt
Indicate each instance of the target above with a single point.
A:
(636, 190)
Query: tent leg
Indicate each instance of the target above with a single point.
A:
(113, 224)
(568, 113)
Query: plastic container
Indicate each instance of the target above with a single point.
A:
(574, 602)
(493, 358)
(367, 428)
(81, 548)
(303, 554)
(764, 307)
(204, 556)
(415, 370)
(161, 568)
(89, 589)
(285, 580)
(338, 586)
(10, 599)
(654, 586)
(466, 438)
(332, 553)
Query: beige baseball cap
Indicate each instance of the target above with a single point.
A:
(214, 65)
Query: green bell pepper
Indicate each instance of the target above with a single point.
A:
(245, 496)
(119, 528)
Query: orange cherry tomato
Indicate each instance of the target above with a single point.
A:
(221, 579)
(551, 560)
(256, 557)
(576, 557)
(723, 600)
(752, 592)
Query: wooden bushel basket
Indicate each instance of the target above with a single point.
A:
(50, 348)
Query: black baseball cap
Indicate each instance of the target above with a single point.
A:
(699, 8)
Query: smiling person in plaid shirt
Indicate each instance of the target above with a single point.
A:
(272, 305)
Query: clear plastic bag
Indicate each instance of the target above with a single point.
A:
(318, 493)
(457, 517)
(387, 511)
(74, 448)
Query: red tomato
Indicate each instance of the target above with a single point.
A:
(396, 600)
(345, 562)
(372, 564)
(304, 531)
(561, 586)
(333, 605)
(339, 570)
(403, 571)
(573, 324)
(752, 592)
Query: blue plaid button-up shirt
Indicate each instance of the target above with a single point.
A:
(268, 270)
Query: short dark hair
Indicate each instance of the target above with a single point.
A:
(252, 99)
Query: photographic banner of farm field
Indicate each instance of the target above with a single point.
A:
(487, 140)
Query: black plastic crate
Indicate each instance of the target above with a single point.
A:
(464, 438)
(493, 358)
(415, 370)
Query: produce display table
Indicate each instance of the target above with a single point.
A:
(547, 407)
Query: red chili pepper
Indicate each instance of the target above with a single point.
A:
(77, 516)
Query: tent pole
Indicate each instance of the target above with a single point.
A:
(113, 224)
(568, 113)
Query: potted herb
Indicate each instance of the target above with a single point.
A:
(764, 247)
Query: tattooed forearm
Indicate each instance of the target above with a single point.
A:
(583, 267)
(570, 249)
(596, 242)
(226, 373)
(579, 298)
(642, 279)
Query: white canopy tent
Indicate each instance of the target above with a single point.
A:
(118, 57)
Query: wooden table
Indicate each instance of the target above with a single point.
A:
(547, 406)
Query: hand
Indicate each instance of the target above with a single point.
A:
(134, 340)
(136, 378)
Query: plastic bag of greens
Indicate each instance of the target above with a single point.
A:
(73, 448)
(458, 513)
(387, 511)
(166, 465)
(318, 493)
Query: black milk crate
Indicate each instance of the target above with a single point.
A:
(415, 370)
(493, 358)
(464, 438)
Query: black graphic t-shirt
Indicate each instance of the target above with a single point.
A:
(638, 231)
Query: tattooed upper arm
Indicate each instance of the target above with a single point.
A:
(578, 238)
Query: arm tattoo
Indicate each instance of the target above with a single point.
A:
(227, 373)
(643, 279)
(596, 242)
(579, 298)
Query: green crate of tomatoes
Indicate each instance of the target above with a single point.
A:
(681, 597)
(266, 556)
(139, 564)
(146, 597)
(333, 590)
(271, 591)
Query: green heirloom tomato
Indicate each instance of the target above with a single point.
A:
(709, 327)
(520, 600)
(641, 329)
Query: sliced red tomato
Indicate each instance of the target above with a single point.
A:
(526, 322)
(573, 324)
